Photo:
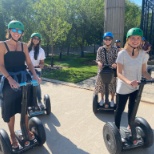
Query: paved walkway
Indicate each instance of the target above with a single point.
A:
(147, 95)
(72, 127)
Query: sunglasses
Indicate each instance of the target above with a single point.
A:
(107, 39)
(16, 31)
(36, 38)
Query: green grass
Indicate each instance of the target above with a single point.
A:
(73, 68)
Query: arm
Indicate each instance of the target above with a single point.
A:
(145, 73)
(41, 64)
(98, 59)
(133, 83)
(120, 75)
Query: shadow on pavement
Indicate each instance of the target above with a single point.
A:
(57, 143)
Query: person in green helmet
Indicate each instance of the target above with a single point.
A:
(131, 66)
(13, 57)
(37, 56)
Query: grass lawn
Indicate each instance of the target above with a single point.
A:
(72, 68)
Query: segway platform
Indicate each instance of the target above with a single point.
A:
(106, 75)
(126, 139)
(116, 140)
(34, 125)
(97, 107)
(44, 109)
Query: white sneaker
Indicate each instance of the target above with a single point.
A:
(112, 103)
(101, 103)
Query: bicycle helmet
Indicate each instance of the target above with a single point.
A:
(16, 24)
(37, 35)
(108, 34)
(117, 41)
(134, 31)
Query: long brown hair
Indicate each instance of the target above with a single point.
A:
(36, 48)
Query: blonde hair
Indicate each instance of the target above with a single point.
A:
(127, 45)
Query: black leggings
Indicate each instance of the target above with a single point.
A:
(121, 103)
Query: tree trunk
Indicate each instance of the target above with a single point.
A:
(68, 49)
(52, 59)
(82, 52)
(60, 55)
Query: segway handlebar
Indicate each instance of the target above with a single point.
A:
(145, 81)
(33, 83)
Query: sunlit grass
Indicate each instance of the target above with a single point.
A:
(73, 68)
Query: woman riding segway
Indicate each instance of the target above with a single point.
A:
(13, 56)
(106, 55)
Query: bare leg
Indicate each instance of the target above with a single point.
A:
(12, 133)
(112, 96)
(30, 134)
(102, 96)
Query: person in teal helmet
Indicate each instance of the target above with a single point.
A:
(111, 55)
(37, 56)
(131, 66)
(13, 57)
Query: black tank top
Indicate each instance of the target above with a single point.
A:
(14, 61)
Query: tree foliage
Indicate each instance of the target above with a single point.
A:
(64, 23)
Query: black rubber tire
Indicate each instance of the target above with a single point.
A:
(95, 103)
(5, 144)
(112, 138)
(36, 126)
(145, 130)
(47, 104)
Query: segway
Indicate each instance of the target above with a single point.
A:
(35, 126)
(40, 110)
(36, 110)
(106, 74)
(116, 141)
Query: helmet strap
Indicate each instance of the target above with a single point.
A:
(133, 49)
(14, 39)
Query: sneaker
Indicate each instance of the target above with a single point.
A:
(112, 103)
(101, 103)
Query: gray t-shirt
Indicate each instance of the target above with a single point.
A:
(132, 70)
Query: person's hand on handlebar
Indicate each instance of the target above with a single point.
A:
(39, 80)
(100, 65)
(114, 65)
(13, 83)
(134, 83)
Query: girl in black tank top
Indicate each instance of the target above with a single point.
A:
(13, 68)
(17, 63)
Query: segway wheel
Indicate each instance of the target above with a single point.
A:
(36, 126)
(47, 104)
(145, 131)
(5, 144)
(95, 103)
(112, 138)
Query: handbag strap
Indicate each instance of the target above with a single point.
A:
(106, 57)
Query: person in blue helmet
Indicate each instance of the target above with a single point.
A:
(13, 57)
(37, 56)
(118, 44)
(111, 55)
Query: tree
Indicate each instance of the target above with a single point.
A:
(51, 16)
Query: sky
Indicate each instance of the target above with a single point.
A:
(138, 2)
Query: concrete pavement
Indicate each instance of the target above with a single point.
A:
(89, 84)
(72, 127)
